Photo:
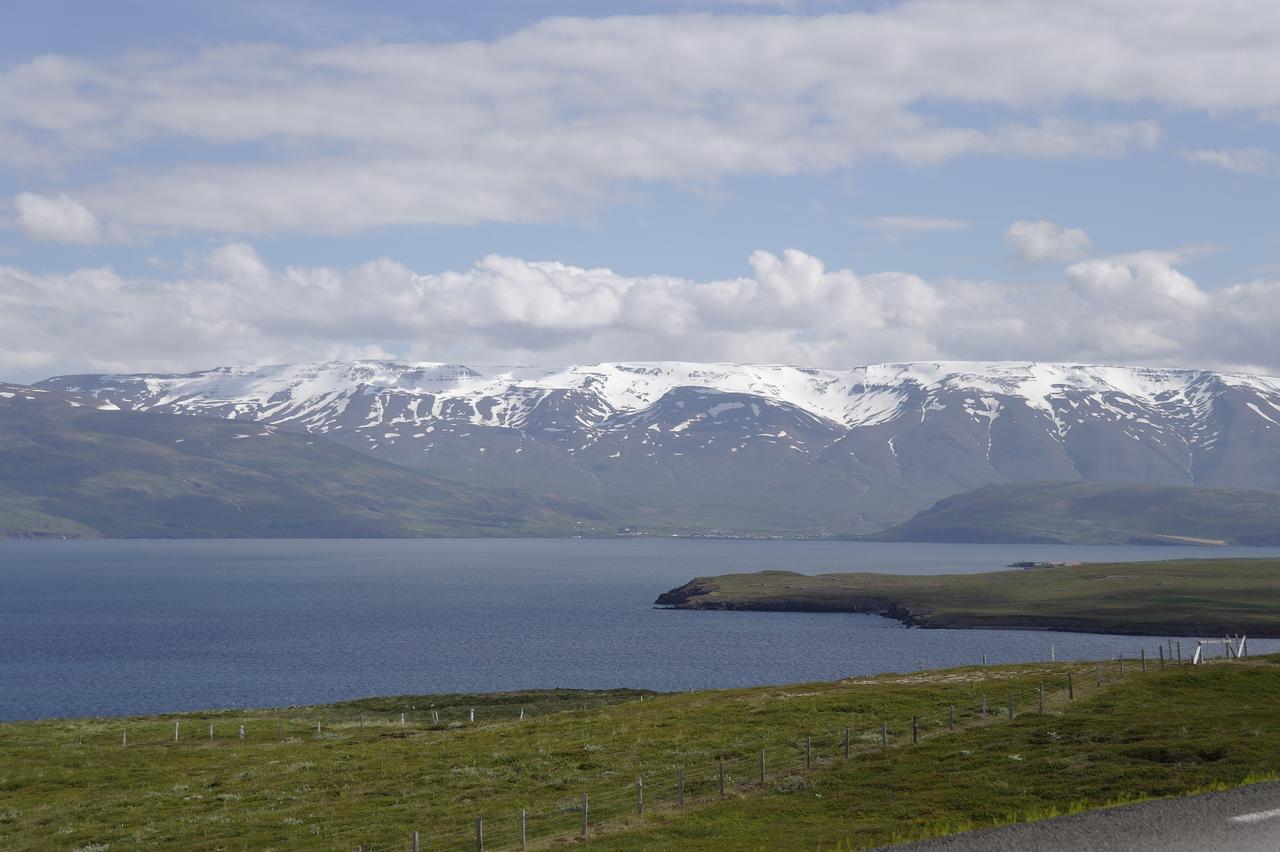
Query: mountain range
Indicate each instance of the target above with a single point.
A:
(73, 466)
(669, 447)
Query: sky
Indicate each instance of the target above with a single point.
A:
(813, 182)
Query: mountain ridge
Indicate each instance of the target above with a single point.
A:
(681, 447)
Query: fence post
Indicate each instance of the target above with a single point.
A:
(1097, 676)
(951, 717)
(1160, 648)
(640, 796)
(984, 659)
(524, 824)
(1071, 691)
(415, 841)
(808, 752)
(884, 735)
(722, 777)
(479, 834)
(210, 732)
(680, 787)
(584, 816)
(1040, 695)
(175, 732)
(1010, 705)
(1179, 652)
(1122, 666)
(1144, 660)
(846, 743)
(317, 727)
(124, 739)
(402, 720)
(761, 766)
(472, 717)
(984, 709)
(915, 729)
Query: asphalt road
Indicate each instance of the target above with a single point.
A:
(1246, 819)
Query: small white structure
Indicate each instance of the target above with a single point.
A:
(1234, 646)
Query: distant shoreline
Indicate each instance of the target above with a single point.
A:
(1205, 598)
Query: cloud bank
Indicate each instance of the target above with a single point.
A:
(561, 117)
(230, 307)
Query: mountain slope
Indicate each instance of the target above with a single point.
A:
(1097, 513)
(74, 466)
(758, 449)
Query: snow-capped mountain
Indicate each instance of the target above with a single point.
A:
(760, 447)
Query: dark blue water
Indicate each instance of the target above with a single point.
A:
(114, 627)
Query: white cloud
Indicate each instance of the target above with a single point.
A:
(1040, 241)
(1248, 160)
(229, 306)
(892, 227)
(59, 218)
(560, 117)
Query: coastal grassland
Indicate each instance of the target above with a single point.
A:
(72, 784)
(1191, 597)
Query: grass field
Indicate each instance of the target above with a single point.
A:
(1191, 597)
(74, 784)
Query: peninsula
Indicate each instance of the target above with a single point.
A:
(1192, 597)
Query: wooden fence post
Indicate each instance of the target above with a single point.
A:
(984, 709)
(761, 766)
(524, 824)
(915, 729)
(1040, 696)
(1179, 652)
(1160, 648)
(808, 752)
(1071, 692)
(640, 796)
(210, 732)
(479, 834)
(415, 841)
(951, 717)
(1010, 705)
(1144, 660)
(680, 787)
(1097, 676)
(846, 743)
(584, 816)
(722, 777)
(175, 732)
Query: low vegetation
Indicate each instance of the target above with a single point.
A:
(1182, 597)
(366, 779)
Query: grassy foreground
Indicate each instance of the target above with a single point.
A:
(73, 784)
(1186, 597)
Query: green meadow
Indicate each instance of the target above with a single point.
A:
(366, 779)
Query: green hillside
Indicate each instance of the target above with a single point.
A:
(1097, 513)
(72, 470)
(368, 779)
(1185, 597)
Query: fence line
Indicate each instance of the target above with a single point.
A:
(677, 786)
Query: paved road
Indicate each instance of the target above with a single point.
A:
(1246, 819)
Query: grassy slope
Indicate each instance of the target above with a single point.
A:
(1097, 513)
(82, 472)
(65, 784)
(1182, 597)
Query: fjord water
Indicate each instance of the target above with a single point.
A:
(123, 627)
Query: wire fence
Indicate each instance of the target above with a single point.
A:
(777, 762)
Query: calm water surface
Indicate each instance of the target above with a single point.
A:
(114, 627)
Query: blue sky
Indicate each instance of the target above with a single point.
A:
(629, 158)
